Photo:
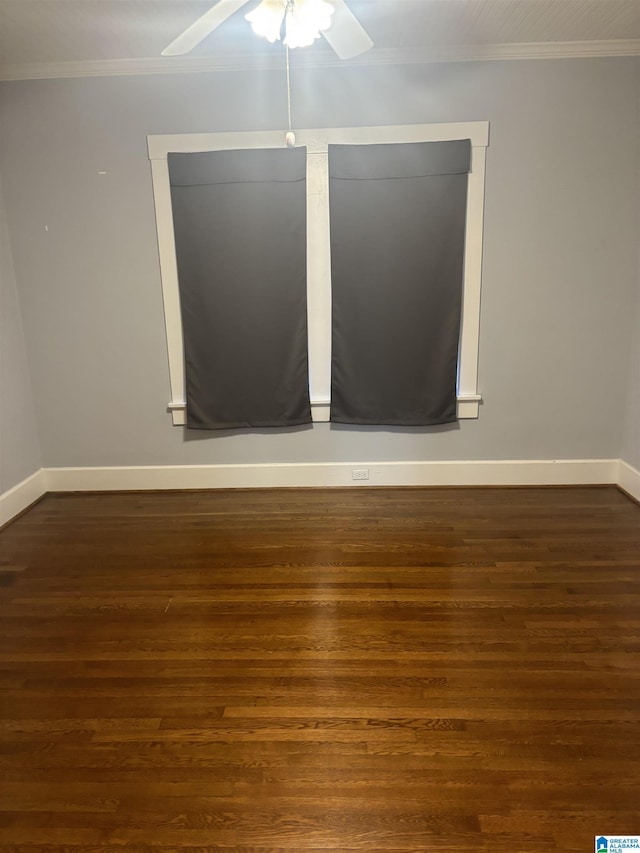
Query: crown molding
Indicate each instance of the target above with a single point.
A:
(512, 51)
(320, 59)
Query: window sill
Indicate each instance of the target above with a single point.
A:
(468, 407)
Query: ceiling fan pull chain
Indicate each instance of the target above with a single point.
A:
(290, 137)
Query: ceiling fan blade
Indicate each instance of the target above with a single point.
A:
(201, 28)
(346, 35)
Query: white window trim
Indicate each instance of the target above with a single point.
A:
(318, 244)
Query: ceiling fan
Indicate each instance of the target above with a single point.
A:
(345, 34)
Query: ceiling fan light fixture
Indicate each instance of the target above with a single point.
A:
(266, 19)
(304, 20)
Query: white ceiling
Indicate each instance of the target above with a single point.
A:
(53, 38)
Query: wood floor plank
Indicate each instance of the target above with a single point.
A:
(379, 670)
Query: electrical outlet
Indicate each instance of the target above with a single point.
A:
(359, 473)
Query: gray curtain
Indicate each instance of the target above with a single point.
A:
(397, 250)
(240, 232)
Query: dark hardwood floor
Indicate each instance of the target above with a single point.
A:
(321, 670)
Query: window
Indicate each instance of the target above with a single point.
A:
(398, 217)
(317, 144)
(239, 219)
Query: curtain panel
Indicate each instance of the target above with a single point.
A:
(240, 234)
(398, 215)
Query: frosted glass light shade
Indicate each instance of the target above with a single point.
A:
(266, 19)
(305, 21)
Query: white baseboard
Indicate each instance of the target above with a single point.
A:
(22, 495)
(485, 473)
(564, 472)
(628, 479)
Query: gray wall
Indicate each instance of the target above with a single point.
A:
(560, 265)
(19, 447)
